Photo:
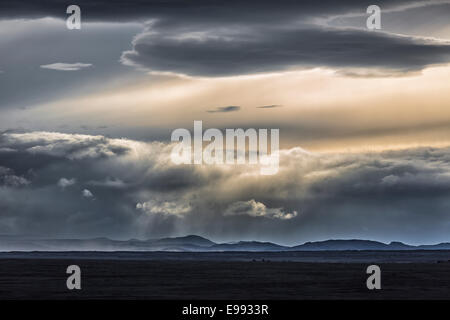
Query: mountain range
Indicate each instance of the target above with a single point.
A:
(194, 243)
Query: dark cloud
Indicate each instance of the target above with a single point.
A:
(247, 49)
(9, 179)
(204, 38)
(395, 195)
(241, 37)
(186, 10)
(225, 109)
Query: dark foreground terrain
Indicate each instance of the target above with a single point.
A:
(276, 275)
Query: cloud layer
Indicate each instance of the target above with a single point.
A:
(126, 188)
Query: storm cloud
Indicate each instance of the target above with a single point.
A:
(192, 10)
(223, 38)
(126, 188)
(256, 49)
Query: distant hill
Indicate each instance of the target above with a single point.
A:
(187, 240)
(248, 246)
(353, 244)
(440, 246)
(194, 243)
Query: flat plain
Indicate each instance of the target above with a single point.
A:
(225, 275)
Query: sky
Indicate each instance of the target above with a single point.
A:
(364, 119)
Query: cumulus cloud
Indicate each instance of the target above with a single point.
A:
(59, 66)
(71, 146)
(9, 179)
(87, 194)
(257, 209)
(178, 208)
(391, 195)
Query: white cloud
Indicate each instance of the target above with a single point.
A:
(177, 208)
(63, 182)
(59, 66)
(87, 194)
(71, 146)
(257, 209)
